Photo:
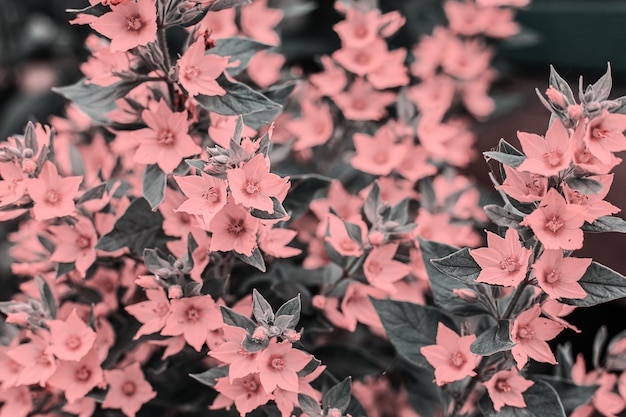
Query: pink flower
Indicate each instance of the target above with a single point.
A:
(393, 73)
(258, 21)
(556, 223)
(241, 362)
(559, 276)
(358, 29)
(71, 339)
(253, 184)
(585, 159)
(278, 366)
(193, 317)
(362, 102)
(234, 229)
(504, 262)
(38, 365)
(339, 238)
(52, 194)
(604, 135)
(357, 306)
(363, 60)
(594, 204)
(128, 389)
(77, 378)
(16, 402)
(12, 186)
(198, 72)
(273, 241)
(451, 356)
(523, 186)
(206, 195)
(315, 126)
(264, 68)
(165, 141)
(506, 388)
(247, 393)
(377, 155)
(75, 244)
(152, 313)
(332, 80)
(128, 24)
(547, 156)
(530, 333)
(381, 270)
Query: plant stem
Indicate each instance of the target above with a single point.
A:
(167, 64)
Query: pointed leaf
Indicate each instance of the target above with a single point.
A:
(606, 224)
(239, 99)
(495, 339)
(338, 396)
(255, 260)
(459, 265)
(232, 318)
(154, 183)
(602, 285)
(210, 376)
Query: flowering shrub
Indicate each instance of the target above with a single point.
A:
(210, 231)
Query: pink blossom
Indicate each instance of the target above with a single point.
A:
(523, 186)
(220, 24)
(206, 195)
(152, 313)
(451, 356)
(17, 402)
(77, 378)
(376, 155)
(103, 66)
(585, 159)
(559, 276)
(193, 317)
(381, 270)
(52, 194)
(546, 157)
(315, 126)
(357, 306)
(241, 362)
(253, 184)
(247, 393)
(604, 135)
(128, 24)
(278, 366)
(264, 68)
(273, 241)
(504, 262)
(339, 238)
(594, 204)
(362, 61)
(198, 72)
(38, 365)
(234, 229)
(165, 141)
(71, 339)
(128, 389)
(258, 21)
(530, 333)
(556, 223)
(506, 388)
(362, 102)
(12, 186)
(75, 244)
(332, 80)
(358, 29)
(466, 60)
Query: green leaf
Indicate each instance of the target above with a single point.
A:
(601, 284)
(241, 49)
(410, 326)
(338, 396)
(94, 193)
(502, 217)
(459, 265)
(584, 185)
(47, 298)
(291, 308)
(606, 224)
(510, 160)
(232, 318)
(424, 396)
(154, 183)
(210, 376)
(278, 94)
(309, 405)
(541, 401)
(218, 5)
(238, 100)
(493, 340)
(279, 211)
(137, 229)
(302, 192)
(571, 394)
(255, 260)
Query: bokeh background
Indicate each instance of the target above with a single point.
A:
(40, 49)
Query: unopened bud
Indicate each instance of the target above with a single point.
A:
(27, 153)
(260, 333)
(319, 302)
(376, 238)
(466, 295)
(334, 412)
(29, 166)
(163, 273)
(179, 264)
(575, 111)
(174, 292)
(291, 335)
(147, 281)
(555, 97)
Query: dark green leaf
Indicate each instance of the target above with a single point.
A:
(64, 268)
(94, 193)
(291, 308)
(232, 318)
(510, 160)
(541, 401)
(218, 5)
(495, 339)
(338, 396)
(459, 265)
(210, 376)
(302, 192)
(241, 49)
(424, 396)
(261, 309)
(606, 224)
(255, 260)
(572, 395)
(47, 298)
(502, 217)
(584, 185)
(309, 405)
(154, 183)
(602, 285)
(239, 100)
(278, 94)
(279, 211)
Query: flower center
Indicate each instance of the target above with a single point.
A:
(456, 359)
(359, 104)
(360, 31)
(129, 388)
(252, 187)
(381, 158)
(83, 374)
(83, 242)
(510, 264)
(374, 267)
(599, 132)
(277, 363)
(43, 360)
(552, 158)
(502, 385)
(53, 196)
(165, 137)
(236, 227)
(73, 342)
(191, 72)
(554, 224)
(193, 315)
(525, 333)
(362, 58)
(134, 23)
(251, 385)
(578, 198)
(553, 276)
(161, 309)
(211, 195)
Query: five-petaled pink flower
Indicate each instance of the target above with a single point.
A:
(128, 389)
(451, 356)
(547, 156)
(377, 155)
(75, 244)
(504, 261)
(530, 333)
(206, 195)
(253, 185)
(152, 313)
(193, 317)
(52, 194)
(605, 135)
(234, 229)
(128, 24)
(71, 339)
(165, 141)
(558, 276)
(556, 223)
(247, 393)
(77, 378)
(381, 270)
(279, 364)
(506, 388)
(38, 364)
(198, 72)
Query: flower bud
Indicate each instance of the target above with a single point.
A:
(175, 292)
(27, 153)
(179, 264)
(163, 273)
(319, 302)
(575, 111)
(555, 97)
(260, 333)
(29, 166)
(376, 238)
(466, 295)
(291, 335)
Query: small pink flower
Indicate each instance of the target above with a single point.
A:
(585, 159)
(273, 241)
(594, 204)
(75, 244)
(315, 126)
(38, 365)
(559, 276)
(363, 60)
(128, 389)
(198, 72)
(52, 194)
(362, 102)
(12, 186)
(128, 24)
(77, 378)
(523, 186)
(556, 223)
(253, 184)
(451, 356)
(506, 388)
(258, 21)
(530, 333)
(332, 80)
(504, 262)
(16, 402)
(377, 155)
(247, 393)
(206, 195)
(264, 68)
(278, 366)
(165, 141)
(152, 313)
(547, 156)
(339, 238)
(234, 229)
(193, 317)
(381, 270)
(241, 362)
(71, 339)
(605, 135)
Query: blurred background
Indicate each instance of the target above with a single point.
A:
(40, 49)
